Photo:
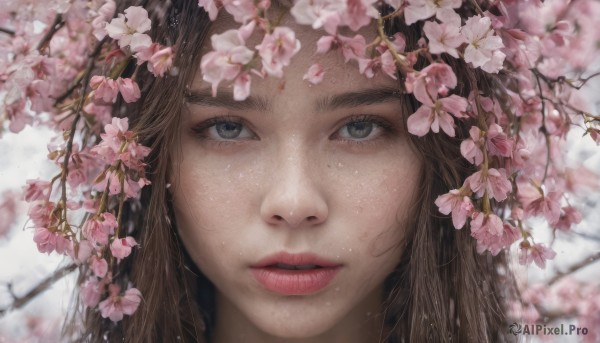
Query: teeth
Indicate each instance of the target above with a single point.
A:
(294, 267)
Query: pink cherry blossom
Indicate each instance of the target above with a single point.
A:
(48, 241)
(498, 144)
(483, 47)
(568, 216)
(129, 89)
(460, 206)
(40, 212)
(99, 266)
(492, 234)
(36, 190)
(91, 291)
(423, 9)
(226, 61)
(470, 148)
(537, 253)
(106, 89)
(432, 80)
(211, 7)
(319, 13)
(8, 211)
(104, 13)
(98, 230)
(121, 247)
(359, 13)
(129, 29)
(277, 50)
(161, 61)
(244, 10)
(443, 37)
(437, 115)
(493, 181)
(314, 74)
(117, 305)
(384, 62)
(536, 201)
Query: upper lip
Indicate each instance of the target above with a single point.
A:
(294, 259)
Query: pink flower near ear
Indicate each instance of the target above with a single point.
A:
(91, 291)
(105, 88)
(460, 206)
(277, 50)
(314, 74)
(490, 223)
(121, 247)
(129, 89)
(494, 182)
(434, 79)
(129, 29)
(443, 37)
(115, 306)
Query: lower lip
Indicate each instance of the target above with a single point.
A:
(295, 282)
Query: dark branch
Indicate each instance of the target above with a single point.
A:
(7, 31)
(43, 285)
(572, 269)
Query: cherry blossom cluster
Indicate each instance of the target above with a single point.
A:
(536, 51)
(65, 69)
(565, 296)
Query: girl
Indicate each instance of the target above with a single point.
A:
(292, 193)
(302, 214)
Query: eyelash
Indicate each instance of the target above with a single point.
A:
(201, 129)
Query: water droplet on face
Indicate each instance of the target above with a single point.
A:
(368, 314)
(340, 165)
(328, 303)
(223, 243)
(228, 166)
(337, 289)
(350, 250)
(356, 172)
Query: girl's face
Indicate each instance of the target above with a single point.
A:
(321, 177)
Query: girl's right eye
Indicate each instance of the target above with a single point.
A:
(223, 129)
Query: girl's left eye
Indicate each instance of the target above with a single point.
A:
(362, 129)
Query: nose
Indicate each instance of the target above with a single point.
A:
(293, 197)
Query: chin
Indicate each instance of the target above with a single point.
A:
(295, 324)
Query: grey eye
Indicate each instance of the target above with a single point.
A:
(228, 130)
(359, 129)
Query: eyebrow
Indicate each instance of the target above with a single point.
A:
(328, 103)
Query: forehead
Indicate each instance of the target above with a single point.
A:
(340, 76)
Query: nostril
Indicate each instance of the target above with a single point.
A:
(311, 218)
(278, 217)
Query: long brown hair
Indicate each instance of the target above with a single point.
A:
(441, 291)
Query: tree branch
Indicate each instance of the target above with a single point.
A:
(21, 301)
